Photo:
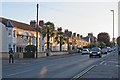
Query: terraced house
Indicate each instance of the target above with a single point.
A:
(18, 35)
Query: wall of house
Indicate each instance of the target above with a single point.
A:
(3, 38)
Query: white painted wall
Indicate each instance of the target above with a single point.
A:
(42, 43)
(3, 38)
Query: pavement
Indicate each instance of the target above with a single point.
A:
(73, 66)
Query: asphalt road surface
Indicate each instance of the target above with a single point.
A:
(64, 66)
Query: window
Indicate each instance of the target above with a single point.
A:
(9, 34)
(9, 47)
(14, 33)
(14, 47)
(20, 49)
(17, 49)
(42, 48)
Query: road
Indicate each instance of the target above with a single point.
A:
(64, 66)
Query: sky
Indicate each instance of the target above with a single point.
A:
(79, 17)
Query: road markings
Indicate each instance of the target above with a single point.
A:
(83, 72)
(19, 72)
(102, 62)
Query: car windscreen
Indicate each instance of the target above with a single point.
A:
(95, 49)
(84, 50)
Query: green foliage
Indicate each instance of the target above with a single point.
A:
(30, 48)
(50, 27)
(102, 45)
(104, 37)
(118, 41)
(60, 38)
(91, 45)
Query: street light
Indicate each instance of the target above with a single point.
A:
(113, 26)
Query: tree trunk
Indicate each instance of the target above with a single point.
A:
(60, 44)
(68, 43)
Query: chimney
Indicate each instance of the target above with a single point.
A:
(74, 34)
(90, 34)
(66, 30)
(81, 36)
(78, 36)
(41, 23)
(32, 23)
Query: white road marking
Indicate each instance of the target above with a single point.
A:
(102, 62)
(19, 72)
(105, 63)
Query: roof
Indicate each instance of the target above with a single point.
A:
(86, 39)
(17, 24)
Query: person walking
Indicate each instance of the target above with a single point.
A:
(47, 52)
(11, 56)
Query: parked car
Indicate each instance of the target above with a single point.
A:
(85, 51)
(104, 51)
(95, 52)
(78, 50)
(109, 49)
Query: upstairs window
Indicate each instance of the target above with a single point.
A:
(14, 33)
(9, 34)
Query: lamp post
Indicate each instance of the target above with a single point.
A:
(113, 26)
(37, 34)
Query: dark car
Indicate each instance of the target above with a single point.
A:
(95, 52)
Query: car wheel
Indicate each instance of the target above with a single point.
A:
(90, 56)
(99, 56)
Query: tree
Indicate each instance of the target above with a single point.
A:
(50, 26)
(48, 29)
(91, 45)
(104, 37)
(102, 45)
(118, 41)
(60, 38)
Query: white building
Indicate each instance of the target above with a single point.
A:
(18, 35)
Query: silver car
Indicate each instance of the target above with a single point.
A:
(85, 51)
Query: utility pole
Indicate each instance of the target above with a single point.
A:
(37, 34)
(113, 27)
(48, 40)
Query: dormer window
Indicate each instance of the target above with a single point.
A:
(9, 24)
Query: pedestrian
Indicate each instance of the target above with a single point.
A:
(47, 52)
(11, 56)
